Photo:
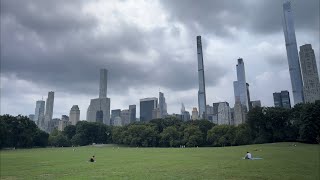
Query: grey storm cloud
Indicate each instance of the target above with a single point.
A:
(54, 44)
(257, 16)
(58, 45)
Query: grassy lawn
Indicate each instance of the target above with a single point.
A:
(280, 161)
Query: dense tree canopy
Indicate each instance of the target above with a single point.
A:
(20, 132)
(263, 125)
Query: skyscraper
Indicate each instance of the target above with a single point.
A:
(311, 84)
(241, 94)
(241, 87)
(103, 83)
(74, 116)
(147, 105)
(202, 90)
(99, 108)
(162, 105)
(292, 54)
(49, 110)
(282, 99)
(39, 113)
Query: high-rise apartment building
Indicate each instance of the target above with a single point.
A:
(292, 54)
(282, 99)
(74, 116)
(39, 113)
(310, 76)
(202, 90)
(99, 108)
(147, 105)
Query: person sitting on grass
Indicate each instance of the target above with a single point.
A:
(248, 156)
(92, 159)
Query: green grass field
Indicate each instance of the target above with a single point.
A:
(280, 161)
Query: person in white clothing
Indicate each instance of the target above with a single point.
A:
(248, 156)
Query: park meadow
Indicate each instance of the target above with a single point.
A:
(279, 161)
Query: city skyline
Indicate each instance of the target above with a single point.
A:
(144, 56)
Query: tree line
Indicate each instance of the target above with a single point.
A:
(263, 125)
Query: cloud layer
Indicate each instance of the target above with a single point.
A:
(145, 45)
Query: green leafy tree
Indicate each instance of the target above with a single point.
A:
(69, 131)
(192, 136)
(170, 137)
(310, 123)
(221, 135)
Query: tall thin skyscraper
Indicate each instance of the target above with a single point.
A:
(292, 54)
(49, 109)
(311, 84)
(241, 88)
(241, 94)
(39, 113)
(162, 105)
(99, 108)
(103, 83)
(202, 90)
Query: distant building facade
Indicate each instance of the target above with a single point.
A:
(256, 103)
(49, 111)
(74, 116)
(185, 115)
(64, 122)
(31, 117)
(114, 113)
(133, 111)
(282, 99)
(147, 105)
(195, 114)
(162, 105)
(224, 114)
(311, 84)
(125, 117)
(39, 113)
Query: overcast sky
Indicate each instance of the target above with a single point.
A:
(146, 45)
